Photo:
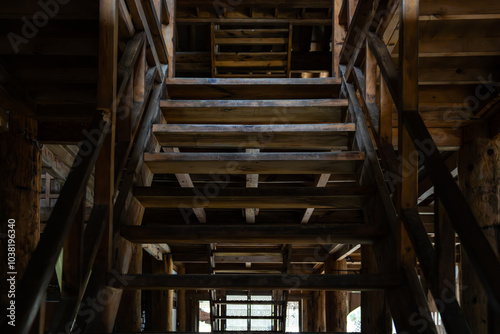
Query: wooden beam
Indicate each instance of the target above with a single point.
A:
(299, 234)
(183, 178)
(259, 163)
(321, 182)
(260, 282)
(341, 197)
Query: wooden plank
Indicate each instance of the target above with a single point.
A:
(253, 111)
(250, 41)
(260, 163)
(294, 234)
(252, 89)
(320, 136)
(340, 197)
(261, 282)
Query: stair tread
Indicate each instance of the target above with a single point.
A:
(260, 163)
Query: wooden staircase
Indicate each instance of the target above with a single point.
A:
(251, 53)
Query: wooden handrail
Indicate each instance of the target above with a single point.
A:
(36, 279)
(479, 250)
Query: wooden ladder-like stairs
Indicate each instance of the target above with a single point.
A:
(267, 126)
(251, 53)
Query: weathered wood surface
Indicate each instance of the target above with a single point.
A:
(20, 188)
(340, 197)
(279, 136)
(259, 163)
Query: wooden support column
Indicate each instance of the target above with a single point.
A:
(336, 301)
(408, 99)
(170, 295)
(319, 323)
(104, 168)
(338, 35)
(130, 311)
(375, 316)
(181, 304)
(170, 37)
(20, 187)
(162, 300)
(479, 179)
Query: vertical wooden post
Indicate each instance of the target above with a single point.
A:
(170, 294)
(319, 311)
(478, 172)
(104, 169)
(336, 301)
(171, 38)
(338, 35)
(130, 311)
(20, 187)
(375, 317)
(181, 304)
(408, 99)
(158, 299)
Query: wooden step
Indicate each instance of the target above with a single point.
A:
(252, 89)
(250, 302)
(260, 163)
(297, 234)
(335, 197)
(250, 36)
(253, 111)
(279, 136)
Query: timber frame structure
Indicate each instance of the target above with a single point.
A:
(329, 153)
